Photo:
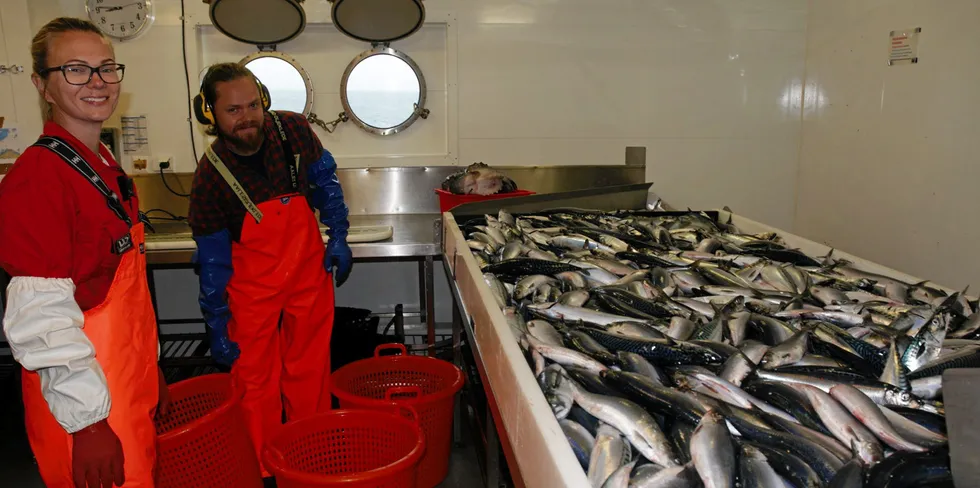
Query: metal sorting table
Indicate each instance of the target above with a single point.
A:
(519, 422)
(415, 237)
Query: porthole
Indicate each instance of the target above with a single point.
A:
(383, 91)
(290, 87)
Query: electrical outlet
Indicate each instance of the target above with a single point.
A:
(161, 161)
(140, 164)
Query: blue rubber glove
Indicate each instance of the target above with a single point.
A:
(214, 256)
(328, 198)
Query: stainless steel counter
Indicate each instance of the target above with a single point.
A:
(413, 236)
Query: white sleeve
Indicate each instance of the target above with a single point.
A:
(43, 325)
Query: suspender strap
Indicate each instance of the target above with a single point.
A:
(78, 163)
(288, 148)
(234, 184)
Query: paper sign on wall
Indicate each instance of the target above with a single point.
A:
(11, 145)
(903, 46)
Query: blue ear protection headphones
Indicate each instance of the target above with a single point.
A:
(203, 108)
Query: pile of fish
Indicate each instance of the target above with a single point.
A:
(478, 179)
(677, 351)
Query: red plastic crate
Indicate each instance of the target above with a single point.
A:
(427, 385)
(449, 200)
(202, 442)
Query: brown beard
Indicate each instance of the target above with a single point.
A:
(241, 145)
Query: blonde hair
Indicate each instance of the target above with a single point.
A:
(42, 42)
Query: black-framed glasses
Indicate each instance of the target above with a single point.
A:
(81, 74)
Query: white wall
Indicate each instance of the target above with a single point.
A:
(711, 87)
(888, 167)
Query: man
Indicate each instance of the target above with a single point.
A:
(260, 249)
(78, 317)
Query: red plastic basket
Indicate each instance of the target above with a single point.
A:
(426, 384)
(349, 448)
(449, 200)
(202, 441)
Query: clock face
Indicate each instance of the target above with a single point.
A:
(120, 19)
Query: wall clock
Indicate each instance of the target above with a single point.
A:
(121, 20)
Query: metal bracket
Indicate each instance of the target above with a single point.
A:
(13, 69)
(422, 112)
(266, 48)
(328, 126)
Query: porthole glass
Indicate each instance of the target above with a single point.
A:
(289, 86)
(383, 91)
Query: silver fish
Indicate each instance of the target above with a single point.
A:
(630, 419)
(529, 284)
(788, 352)
(685, 476)
(775, 328)
(829, 296)
(643, 474)
(844, 427)
(681, 329)
(539, 362)
(516, 321)
(928, 343)
(611, 452)
(862, 408)
(736, 368)
(756, 471)
(634, 329)
(579, 243)
(554, 384)
(640, 289)
(687, 280)
(579, 438)
(542, 255)
(708, 245)
(495, 234)
(754, 350)
(778, 278)
(497, 289)
(620, 478)
(568, 313)
(478, 245)
(566, 357)
(818, 361)
(726, 391)
(544, 332)
(737, 324)
(575, 298)
(842, 319)
(713, 452)
(894, 373)
(610, 265)
(512, 250)
(634, 363)
(912, 431)
(505, 217)
(598, 277)
(575, 279)
(634, 277)
(491, 244)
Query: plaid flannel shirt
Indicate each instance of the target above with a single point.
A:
(214, 206)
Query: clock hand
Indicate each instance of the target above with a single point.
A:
(120, 7)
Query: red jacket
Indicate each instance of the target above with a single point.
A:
(55, 224)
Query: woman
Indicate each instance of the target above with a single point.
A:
(79, 317)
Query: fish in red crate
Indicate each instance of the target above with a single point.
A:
(478, 179)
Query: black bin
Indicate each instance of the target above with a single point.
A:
(355, 335)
